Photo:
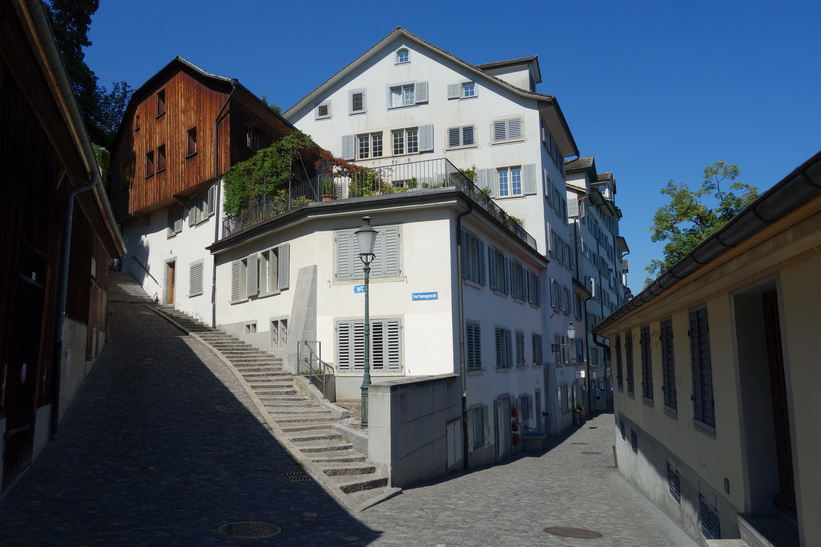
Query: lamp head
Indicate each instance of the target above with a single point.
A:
(366, 238)
(571, 331)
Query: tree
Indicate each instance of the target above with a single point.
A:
(688, 219)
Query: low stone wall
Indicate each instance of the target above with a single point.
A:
(415, 428)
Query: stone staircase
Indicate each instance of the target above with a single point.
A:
(306, 426)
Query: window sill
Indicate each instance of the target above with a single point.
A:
(191, 155)
(267, 294)
(463, 147)
(515, 141)
(672, 412)
(502, 369)
(648, 402)
(704, 428)
(194, 294)
(358, 373)
(513, 196)
(473, 284)
(476, 372)
(357, 113)
(240, 301)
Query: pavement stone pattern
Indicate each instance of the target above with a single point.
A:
(145, 457)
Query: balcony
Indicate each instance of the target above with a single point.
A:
(372, 181)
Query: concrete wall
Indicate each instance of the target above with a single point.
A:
(409, 431)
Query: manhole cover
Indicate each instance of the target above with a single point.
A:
(591, 452)
(299, 476)
(249, 529)
(231, 408)
(578, 533)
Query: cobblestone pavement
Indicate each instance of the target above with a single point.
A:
(147, 456)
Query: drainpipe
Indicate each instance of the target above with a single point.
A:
(216, 204)
(63, 297)
(460, 308)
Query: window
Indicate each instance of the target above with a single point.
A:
(703, 405)
(149, 164)
(279, 333)
(202, 206)
(462, 90)
(533, 288)
(538, 352)
(461, 136)
(386, 346)
(239, 278)
(274, 267)
(137, 122)
(619, 376)
(646, 364)
(175, 215)
(405, 141)
(357, 103)
(407, 94)
(518, 281)
(668, 369)
(160, 103)
(510, 181)
(499, 273)
(195, 278)
(473, 258)
(323, 111)
(251, 328)
(402, 56)
(161, 158)
(191, 147)
(479, 431)
(253, 138)
(473, 345)
(385, 264)
(369, 145)
(674, 483)
(504, 354)
(520, 349)
(507, 130)
(628, 349)
(710, 522)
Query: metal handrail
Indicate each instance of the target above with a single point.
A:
(312, 360)
(146, 269)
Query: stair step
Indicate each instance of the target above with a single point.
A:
(360, 484)
(304, 427)
(342, 456)
(319, 446)
(336, 469)
(317, 435)
(311, 420)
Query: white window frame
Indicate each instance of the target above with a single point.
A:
(274, 269)
(406, 135)
(509, 174)
(462, 90)
(352, 101)
(202, 206)
(371, 140)
(407, 94)
(318, 115)
(399, 54)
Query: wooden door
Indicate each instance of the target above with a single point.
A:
(171, 281)
(785, 499)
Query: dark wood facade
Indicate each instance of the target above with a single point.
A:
(167, 148)
(44, 157)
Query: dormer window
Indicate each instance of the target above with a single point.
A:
(402, 56)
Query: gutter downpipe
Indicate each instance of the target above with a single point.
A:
(461, 305)
(216, 205)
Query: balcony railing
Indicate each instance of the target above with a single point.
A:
(373, 181)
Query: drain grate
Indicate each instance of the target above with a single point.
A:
(298, 476)
(249, 529)
(578, 533)
(231, 408)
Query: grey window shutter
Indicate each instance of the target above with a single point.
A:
(391, 249)
(421, 92)
(481, 262)
(195, 279)
(573, 207)
(529, 178)
(348, 147)
(235, 282)
(212, 200)
(252, 276)
(426, 138)
(453, 137)
(491, 256)
(499, 130)
(454, 91)
(465, 255)
(514, 128)
(344, 353)
(192, 211)
(284, 266)
(486, 179)
(178, 219)
(344, 255)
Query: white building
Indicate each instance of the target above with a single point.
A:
(405, 100)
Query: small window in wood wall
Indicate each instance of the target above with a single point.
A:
(161, 158)
(160, 103)
(137, 123)
(149, 164)
(192, 142)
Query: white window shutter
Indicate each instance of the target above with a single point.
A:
(421, 92)
(486, 179)
(195, 279)
(348, 147)
(454, 91)
(454, 137)
(252, 276)
(426, 138)
(514, 128)
(499, 130)
(235, 282)
(344, 255)
(284, 266)
(529, 178)
(393, 346)
(391, 249)
(344, 355)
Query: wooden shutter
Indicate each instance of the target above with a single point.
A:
(421, 92)
(211, 206)
(390, 251)
(514, 128)
(499, 348)
(454, 137)
(426, 138)
(344, 255)
(499, 131)
(668, 364)
(486, 180)
(235, 280)
(454, 91)
(252, 276)
(283, 266)
(344, 343)
(195, 279)
(348, 147)
(529, 178)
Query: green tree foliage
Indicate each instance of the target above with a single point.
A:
(266, 173)
(102, 110)
(691, 216)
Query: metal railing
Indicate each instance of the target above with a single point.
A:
(309, 363)
(373, 181)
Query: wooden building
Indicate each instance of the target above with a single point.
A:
(58, 234)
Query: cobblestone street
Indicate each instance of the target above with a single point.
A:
(148, 455)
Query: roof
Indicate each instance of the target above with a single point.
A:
(800, 186)
(566, 141)
(580, 164)
(533, 60)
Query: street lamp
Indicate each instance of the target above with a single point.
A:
(571, 334)
(366, 238)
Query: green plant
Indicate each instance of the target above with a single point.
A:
(413, 183)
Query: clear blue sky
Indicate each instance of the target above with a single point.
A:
(655, 90)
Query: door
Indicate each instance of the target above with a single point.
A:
(502, 428)
(785, 499)
(171, 280)
(539, 418)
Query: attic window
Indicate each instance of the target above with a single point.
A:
(160, 103)
(137, 123)
(253, 138)
(323, 111)
(402, 56)
(191, 147)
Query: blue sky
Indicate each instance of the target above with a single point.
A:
(655, 90)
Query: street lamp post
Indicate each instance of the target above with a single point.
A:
(366, 238)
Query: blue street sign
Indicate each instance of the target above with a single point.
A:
(359, 289)
(425, 295)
